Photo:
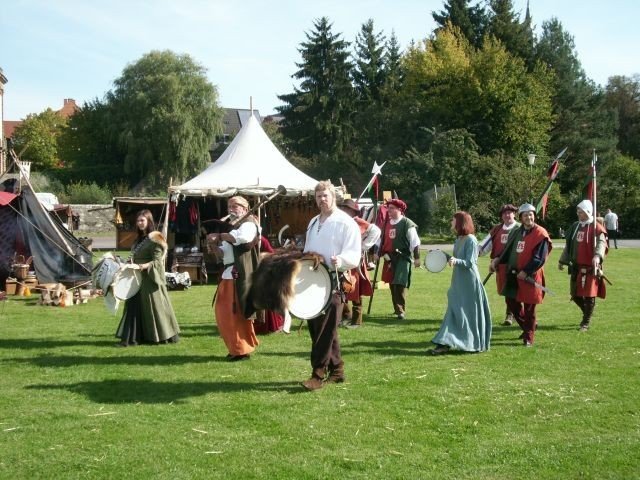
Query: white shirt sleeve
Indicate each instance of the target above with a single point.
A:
(350, 252)
(371, 237)
(245, 233)
(414, 239)
(485, 246)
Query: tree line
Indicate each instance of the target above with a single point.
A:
(463, 107)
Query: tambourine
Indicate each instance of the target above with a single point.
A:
(436, 260)
(127, 282)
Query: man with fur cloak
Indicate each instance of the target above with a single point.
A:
(336, 238)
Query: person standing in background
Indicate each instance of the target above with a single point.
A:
(495, 243)
(370, 234)
(400, 246)
(611, 224)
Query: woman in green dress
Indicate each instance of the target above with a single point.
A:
(148, 316)
(467, 322)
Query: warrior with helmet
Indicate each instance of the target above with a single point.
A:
(524, 256)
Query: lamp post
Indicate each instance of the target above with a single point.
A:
(531, 158)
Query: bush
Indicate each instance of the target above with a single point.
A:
(45, 183)
(86, 193)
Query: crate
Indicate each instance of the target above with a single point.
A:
(194, 271)
(11, 286)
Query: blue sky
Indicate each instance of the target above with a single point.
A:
(58, 49)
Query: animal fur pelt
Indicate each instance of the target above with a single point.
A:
(273, 282)
(158, 238)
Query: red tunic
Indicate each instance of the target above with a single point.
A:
(587, 284)
(363, 285)
(388, 235)
(499, 236)
(525, 247)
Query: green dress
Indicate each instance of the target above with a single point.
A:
(148, 316)
(467, 322)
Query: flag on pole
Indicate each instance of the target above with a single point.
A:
(374, 189)
(552, 173)
(588, 189)
(376, 170)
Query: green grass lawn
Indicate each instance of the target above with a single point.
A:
(74, 406)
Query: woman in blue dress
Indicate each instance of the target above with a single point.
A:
(467, 322)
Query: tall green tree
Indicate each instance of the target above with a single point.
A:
(371, 85)
(89, 146)
(36, 138)
(318, 114)
(470, 19)
(619, 189)
(515, 109)
(504, 24)
(451, 159)
(166, 115)
(368, 71)
(623, 96)
(582, 120)
(488, 92)
(393, 71)
(390, 108)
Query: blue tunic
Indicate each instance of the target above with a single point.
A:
(467, 322)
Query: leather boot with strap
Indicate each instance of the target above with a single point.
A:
(356, 314)
(316, 381)
(336, 374)
(588, 305)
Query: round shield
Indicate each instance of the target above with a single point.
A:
(127, 282)
(435, 261)
(105, 272)
(312, 291)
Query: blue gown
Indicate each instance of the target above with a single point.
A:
(467, 322)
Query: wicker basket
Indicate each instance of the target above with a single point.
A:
(21, 267)
(21, 270)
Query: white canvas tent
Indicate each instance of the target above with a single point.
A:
(251, 165)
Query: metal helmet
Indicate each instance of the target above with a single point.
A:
(526, 207)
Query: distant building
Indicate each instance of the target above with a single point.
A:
(9, 126)
(274, 118)
(69, 108)
(232, 121)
